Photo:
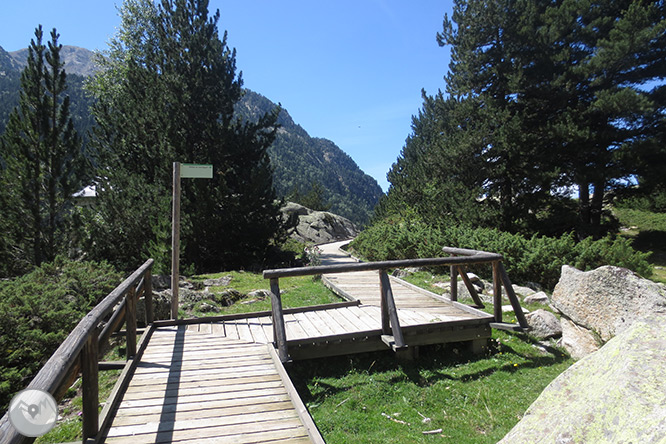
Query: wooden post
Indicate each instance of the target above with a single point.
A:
(148, 296)
(497, 292)
(175, 240)
(386, 323)
(454, 283)
(470, 287)
(515, 303)
(279, 331)
(130, 322)
(387, 294)
(90, 385)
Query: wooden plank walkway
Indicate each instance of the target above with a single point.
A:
(193, 386)
(364, 286)
(219, 380)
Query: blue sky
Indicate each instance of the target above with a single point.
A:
(348, 71)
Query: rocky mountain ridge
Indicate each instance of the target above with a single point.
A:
(77, 60)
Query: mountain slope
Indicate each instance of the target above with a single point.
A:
(299, 161)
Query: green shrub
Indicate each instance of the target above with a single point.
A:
(39, 310)
(643, 219)
(537, 259)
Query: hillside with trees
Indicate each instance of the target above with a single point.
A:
(309, 169)
(306, 169)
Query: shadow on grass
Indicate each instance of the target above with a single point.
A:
(435, 363)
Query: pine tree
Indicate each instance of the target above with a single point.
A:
(168, 94)
(44, 162)
(604, 53)
(542, 96)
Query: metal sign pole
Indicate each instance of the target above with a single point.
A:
(175, 240)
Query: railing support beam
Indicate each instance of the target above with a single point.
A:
(148, 296)
(389, 303)
(130, 322)
(515, 303)
(497, 292)
(90, 386)
(279, 330)
(470, 287)
(454, 283)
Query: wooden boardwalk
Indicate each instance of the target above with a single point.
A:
(191, 386)
(219, 379)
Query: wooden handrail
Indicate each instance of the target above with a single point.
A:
(390, 322)
(58, 369)
(480, 257)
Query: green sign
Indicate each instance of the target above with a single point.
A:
(194, 171)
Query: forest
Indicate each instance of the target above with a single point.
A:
(553, 114)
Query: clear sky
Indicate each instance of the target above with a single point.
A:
(346, 70)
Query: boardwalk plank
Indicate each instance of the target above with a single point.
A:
(269, 431)
(294, 328)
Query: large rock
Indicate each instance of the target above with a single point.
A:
(606, 300)
(577, 341)
(161, 306)
(318, 227)
(616, 395)
(543, 324)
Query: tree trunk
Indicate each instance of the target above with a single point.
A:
(596, 207)
(583, 209)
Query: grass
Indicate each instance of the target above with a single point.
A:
(68, 427)
(473, 399)
(296, 292)
(647, 231)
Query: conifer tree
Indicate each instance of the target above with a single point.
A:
(167, 94)
(43, 162)
(542, 96)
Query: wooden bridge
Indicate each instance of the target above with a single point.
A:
(222, 379)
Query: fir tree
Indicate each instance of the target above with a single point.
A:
(43, 162)
(168, 94)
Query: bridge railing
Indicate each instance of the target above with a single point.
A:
(459, 259)
(79, 352)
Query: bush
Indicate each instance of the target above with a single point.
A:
(536, 259)
(39, 310)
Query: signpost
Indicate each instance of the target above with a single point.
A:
(186, 171)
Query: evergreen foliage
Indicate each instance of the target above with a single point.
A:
(527, 259)
(167, 93)
(42, 164)
(38, 311)
(541, 97)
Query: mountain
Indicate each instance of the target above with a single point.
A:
(77, 60)
(10, 76)
(300, 162)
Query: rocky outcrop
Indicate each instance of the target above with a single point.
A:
(318, 227)
(602, 303)
(615, 395)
